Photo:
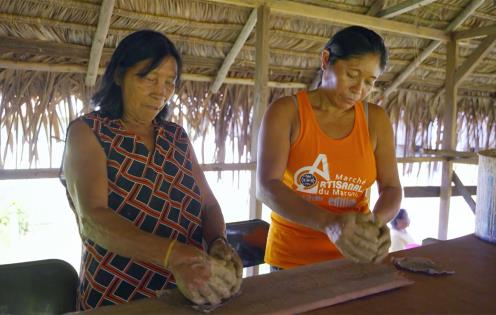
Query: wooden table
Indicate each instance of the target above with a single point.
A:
(469, 291)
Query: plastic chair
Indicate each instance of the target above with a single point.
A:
(249, 239)
(38, 287)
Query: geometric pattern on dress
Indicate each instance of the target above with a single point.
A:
(157, 192)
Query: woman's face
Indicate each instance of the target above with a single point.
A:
(144, 97)
(349, 80)
(403, 223)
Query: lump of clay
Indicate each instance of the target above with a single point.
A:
(420, 264)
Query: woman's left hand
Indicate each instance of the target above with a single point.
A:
(384, 244)
(220, 249)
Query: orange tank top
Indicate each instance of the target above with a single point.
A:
(333, 174)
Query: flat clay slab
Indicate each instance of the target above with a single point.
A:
(283, 292)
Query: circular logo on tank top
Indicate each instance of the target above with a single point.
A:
(307, 180)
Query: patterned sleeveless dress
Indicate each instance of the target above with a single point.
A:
(157, 192)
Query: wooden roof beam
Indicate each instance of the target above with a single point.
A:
(376, 7)
(475, 32)
(76, 68)
(473, 60)
(102, 29)
(403, 7)
(236, 48)
(343, 17)
(466, 12)
(470, 63)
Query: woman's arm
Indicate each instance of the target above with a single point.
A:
(85, 169)
(352, 233)
(214, 228)
(390, 192)
(212, 218)
(274, 143)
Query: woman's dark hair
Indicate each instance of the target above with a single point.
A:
(356, 41)
(399, 216)
(136, 47)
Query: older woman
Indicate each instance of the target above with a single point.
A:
(320, 150)
(142, 203)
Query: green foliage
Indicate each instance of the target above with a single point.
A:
(13, 214)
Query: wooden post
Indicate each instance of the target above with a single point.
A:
(99, 41)
(449, 137)
(460, 18)
(260, 100)
(236, 48)
(261, 96)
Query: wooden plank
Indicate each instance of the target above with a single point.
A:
(460, 18)
(10, 44)
(343, 17)
(347, 18)
(469, 291)
(450, 153)
(464, 191)
(475, 32)
(261, 97)
(403, 7)
(400, 78)
(449, 138)
(76, 68)
(7, 174)
(48, 67)
(475, 57)
(434, 191)
(236, 48)
(99, 41)
(290, 291)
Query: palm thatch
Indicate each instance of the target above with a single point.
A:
(45, 51)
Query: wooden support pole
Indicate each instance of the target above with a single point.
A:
(449, 138)
(315, 12)
(403, 7)
(236, 48)
(464, 192)
(261, 97)
(434, 191)
(76, 68)
(475, 57)
(475, 32)
(99, 40)
(466, 12)
(471, 62)
(375, 8)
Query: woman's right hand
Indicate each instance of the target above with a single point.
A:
(192, 270)
(355, 235)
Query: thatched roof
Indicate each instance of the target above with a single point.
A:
(45, 48)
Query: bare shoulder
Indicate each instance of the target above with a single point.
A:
(79, 131)
(378, 117)
(285, 106)
(377, 111)
(81, 139)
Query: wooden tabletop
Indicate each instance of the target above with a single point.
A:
(471, 290)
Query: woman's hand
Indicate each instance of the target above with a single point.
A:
(192, 271)
(356, 236)
(221, 250)
(200, 278)
(384, 244)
